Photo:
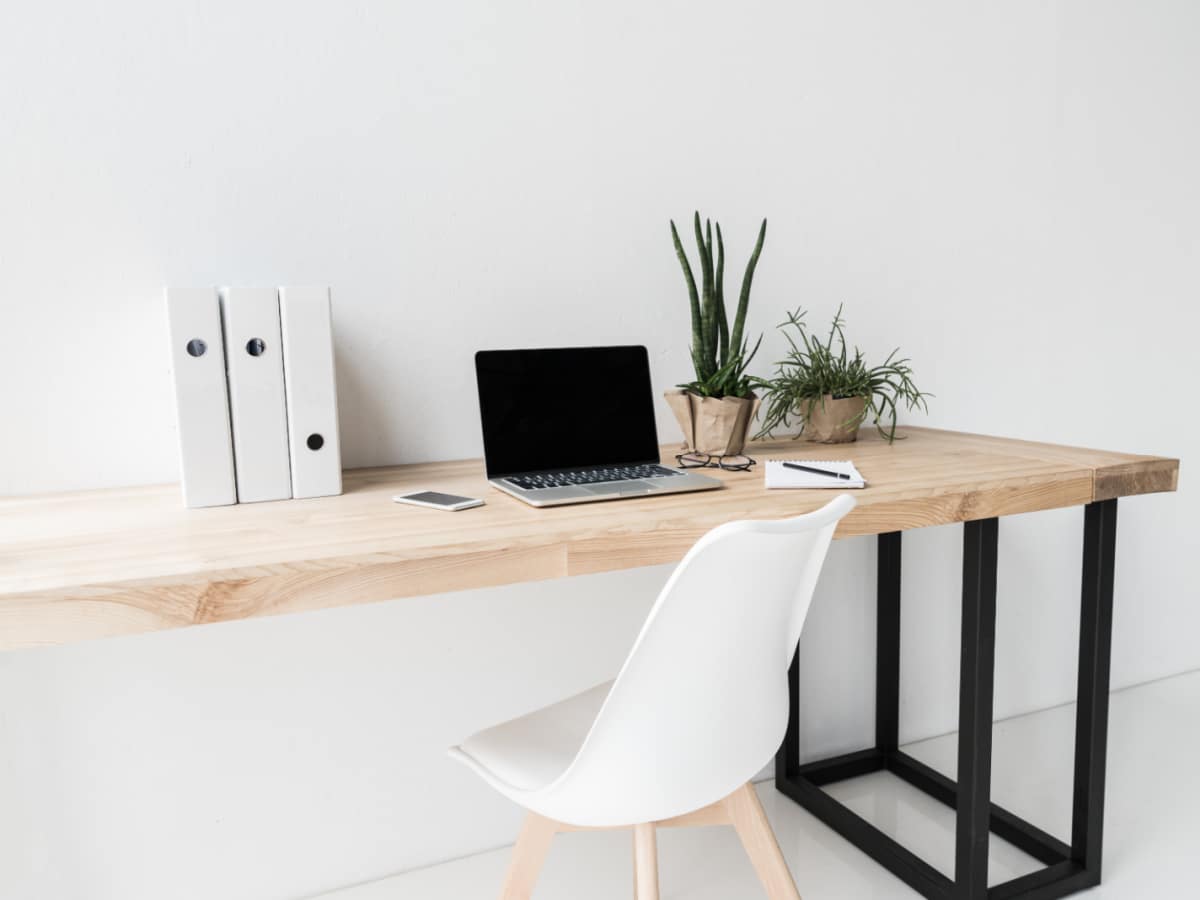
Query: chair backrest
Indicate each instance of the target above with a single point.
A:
(701, 703)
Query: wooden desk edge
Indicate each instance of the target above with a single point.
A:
(64, 615)
(1151, 475)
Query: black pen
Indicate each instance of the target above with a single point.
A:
(816, 471)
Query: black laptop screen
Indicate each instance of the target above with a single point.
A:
(565, 408)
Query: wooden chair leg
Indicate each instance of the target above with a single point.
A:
(645, 865)
(635, 867)
(528, 856)
(635, 864)
(752, 827)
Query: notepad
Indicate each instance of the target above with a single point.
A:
(780, 476)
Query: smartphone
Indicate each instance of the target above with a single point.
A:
(438, 500)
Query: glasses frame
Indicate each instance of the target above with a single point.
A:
(712, 461)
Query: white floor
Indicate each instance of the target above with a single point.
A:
(1151, 841)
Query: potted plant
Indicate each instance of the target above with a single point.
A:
(715, 410)
(832, 391)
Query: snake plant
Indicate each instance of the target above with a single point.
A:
(720, 354)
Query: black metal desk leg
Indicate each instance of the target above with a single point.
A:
(787, 758)
(887, 644)
(1091, 713)
(976, 676)
(1068, 868)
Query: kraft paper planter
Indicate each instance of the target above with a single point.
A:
(718, 426)
(830, 421)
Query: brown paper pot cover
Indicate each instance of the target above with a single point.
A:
(825, 419)
(715, 425)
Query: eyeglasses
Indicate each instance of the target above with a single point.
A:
(707, 460)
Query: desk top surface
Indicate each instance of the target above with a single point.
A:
(92, 564)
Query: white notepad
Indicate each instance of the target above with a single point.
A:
(780, 476)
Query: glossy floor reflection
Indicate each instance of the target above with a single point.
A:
(1151, 833)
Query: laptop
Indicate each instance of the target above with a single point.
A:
(573, 425)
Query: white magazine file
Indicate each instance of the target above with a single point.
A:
(254, 361)
(201, 400)
(316, 459)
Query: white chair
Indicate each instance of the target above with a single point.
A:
(700, 706)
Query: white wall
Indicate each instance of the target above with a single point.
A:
(1007, 190)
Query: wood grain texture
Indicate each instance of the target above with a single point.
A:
(103, 563)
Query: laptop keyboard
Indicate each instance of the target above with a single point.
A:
(573, 477)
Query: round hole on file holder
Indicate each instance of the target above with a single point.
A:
(256, 346)
(315, 442)
(196, 347)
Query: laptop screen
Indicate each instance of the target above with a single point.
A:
(565, 408)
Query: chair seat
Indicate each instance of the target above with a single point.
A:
(530, 752)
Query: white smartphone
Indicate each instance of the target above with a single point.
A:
(438, 500)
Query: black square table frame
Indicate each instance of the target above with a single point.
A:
(1068, 867)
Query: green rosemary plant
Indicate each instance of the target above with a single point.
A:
(814, 369)
(720, 354)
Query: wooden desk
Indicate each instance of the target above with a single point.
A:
(103, 563)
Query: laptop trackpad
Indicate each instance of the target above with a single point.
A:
(621, 487)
